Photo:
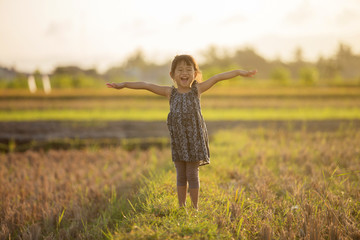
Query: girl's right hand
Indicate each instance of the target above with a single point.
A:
(115, 85)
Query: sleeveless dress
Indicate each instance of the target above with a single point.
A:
(188, 133)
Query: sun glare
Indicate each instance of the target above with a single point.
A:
(42, 34)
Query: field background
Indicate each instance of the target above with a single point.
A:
(234, 103)
(92, 164)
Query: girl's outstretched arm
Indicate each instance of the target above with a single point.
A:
(204, 86)
(160, 90)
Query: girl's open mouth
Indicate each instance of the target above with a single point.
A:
(184, 79)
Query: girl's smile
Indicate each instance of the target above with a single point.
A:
(184, 80)
(184, 76)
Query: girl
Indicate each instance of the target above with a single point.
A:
(189, 138)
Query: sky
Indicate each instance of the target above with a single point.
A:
(43, 34)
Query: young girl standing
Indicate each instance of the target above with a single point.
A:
(188, 133)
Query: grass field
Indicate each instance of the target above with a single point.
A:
(161, 114)
(262, 183)
(222, 103)
(68, 194)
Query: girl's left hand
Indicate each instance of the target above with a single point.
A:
(115, 85)
(249, 73)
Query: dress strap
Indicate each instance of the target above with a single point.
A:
(194, 88)
(173, 91)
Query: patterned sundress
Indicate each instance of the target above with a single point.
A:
(188, 133)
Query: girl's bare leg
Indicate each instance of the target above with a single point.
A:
(192, 175)
(194, 196)
(181, 190)
(181, 182)
(188, 172)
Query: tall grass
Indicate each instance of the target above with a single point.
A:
(261, 184)
(68, 194)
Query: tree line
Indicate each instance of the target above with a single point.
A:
(342, 68)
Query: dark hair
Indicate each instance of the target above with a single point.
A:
(190, 61)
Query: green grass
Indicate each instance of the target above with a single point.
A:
(161, 114)
(220, 103)
(258, 89)
(261, 184)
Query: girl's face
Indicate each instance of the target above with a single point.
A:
(184, 75)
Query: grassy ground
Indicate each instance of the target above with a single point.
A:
(69, 194)
(261, 184)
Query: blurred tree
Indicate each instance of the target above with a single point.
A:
(115, 74)
(62, 81)
(328, 69)
(211, 55)
(341, 68)
(210, 71)
(7, 73)
(298, 55)
(6, 76)
(297, 63)
(309, 75)
(248, 59)
(281, 75)
(136, 60)
(347, 63)
(136, 68)
(20, 81)
(75, 77)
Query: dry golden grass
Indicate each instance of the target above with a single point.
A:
(263, 183)
(37, 188)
